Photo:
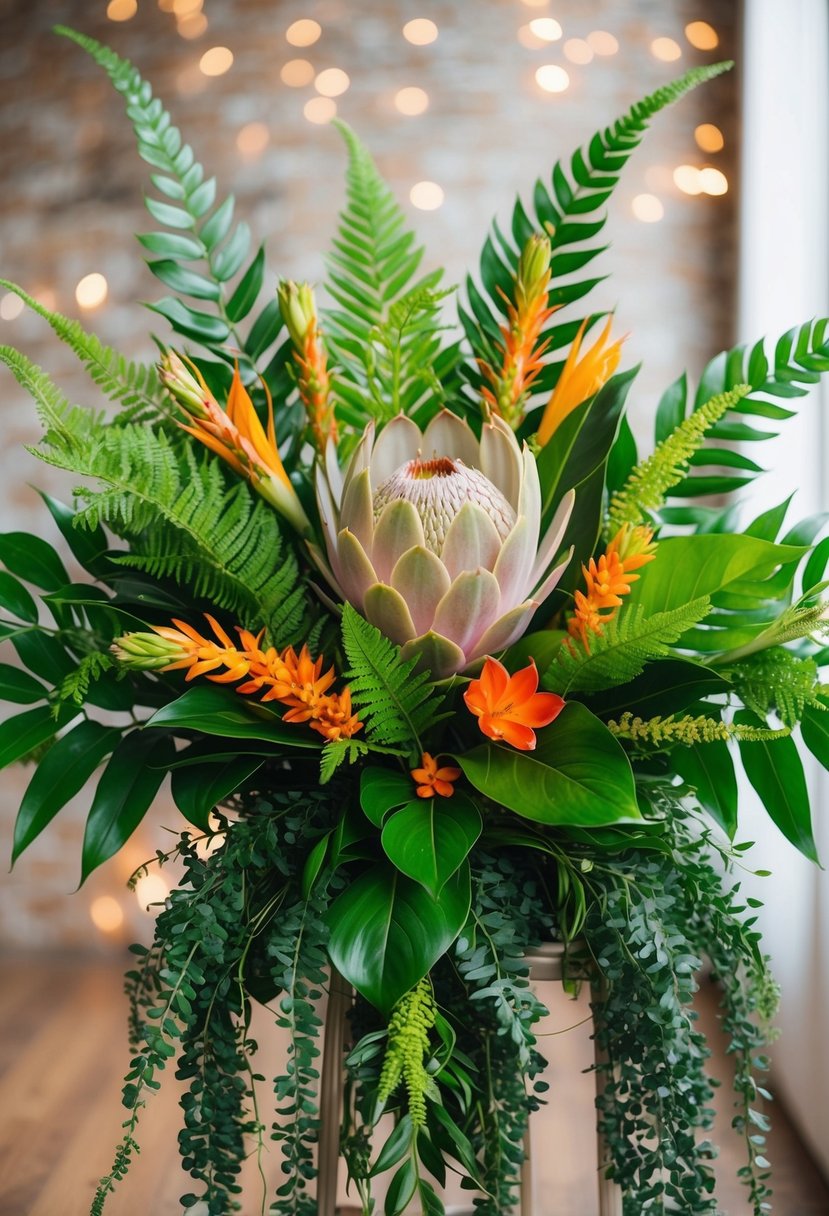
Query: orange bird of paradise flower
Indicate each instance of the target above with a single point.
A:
(510, 708)
(580, 378)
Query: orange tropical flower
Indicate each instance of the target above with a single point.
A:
(580, 378)
(235, 433)
(608, 579)
(431, 780)
(510, 707)
(510, 386)
(296, 681)
(296, 303)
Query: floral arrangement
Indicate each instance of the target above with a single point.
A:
(440, 669)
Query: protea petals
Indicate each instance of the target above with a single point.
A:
(435, 537)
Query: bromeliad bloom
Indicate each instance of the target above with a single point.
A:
(435, 537)
(296, 681)
(235, 433)
(608, 579)
(296, 303)
(580, 378)
(509, 387)
(431, 780)
(509, 707)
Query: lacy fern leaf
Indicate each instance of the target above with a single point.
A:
(778, 680)
(649, 483)
(134, 386)
(572, 212)
(398, 704)
(337, 752)
(620, 652)
(384, 330)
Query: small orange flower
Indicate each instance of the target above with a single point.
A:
(299, 312)
(432, 780)
(510, 707)
(608, 579)
(580, 378)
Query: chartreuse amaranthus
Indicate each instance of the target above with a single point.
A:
(701, 729)
(408, 1046)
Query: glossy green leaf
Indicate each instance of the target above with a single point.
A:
(43, 655)
(541, 646)
(127, 787)
(247, 292)
(774, 768)
(382, 790)
(18, 686)
(32, 559)
(664, 687)
(198, 789)
(396, 1146)
(687, 567)
(401, 1189)
(192, 324)
(578, 774)
(814, 726)
(709, 769)
(227, 261)
(14, 598)
(216, 228)
(314, 863)
(24, 732)
(168, 215)
(214, 711)
(173, 244)
(430, 838)
(89, 546)
(387, 931)
(59, 776)
(186, 282)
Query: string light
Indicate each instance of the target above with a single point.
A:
(253, 139)
(546, 28)
(166, 6)
(426, 196)
(535, 3)
(578, 51)
(713, 181)
(106, 914)
(420, 31)
(216, 61)
(151, 889)
(11, 306)
(332, 82)
(192, 25)
(92, 290)
(297, 72)
(709, 137)
(666, 49)
(411, 101)
(602, 43)
(304, 32)
(186, 8)
(647, 208)
(702, 35)
(320, 109)
(122, 10)
(528, 39)
(552, 78)
(687, 179)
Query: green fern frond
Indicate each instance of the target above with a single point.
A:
(200, 230)
(786, 369)
(398, 704)
(649, 482)
(572, 211)
(72, 427)
(777, 680)
(621, 650)
(75, 686)
(337, 752)
(134, 386)
(665, 732)
(384, 330)
(407, 1050)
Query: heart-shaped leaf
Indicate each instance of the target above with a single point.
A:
(428, 839)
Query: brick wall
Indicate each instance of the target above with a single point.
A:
(72, 188)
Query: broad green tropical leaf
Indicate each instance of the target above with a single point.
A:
(429, 839)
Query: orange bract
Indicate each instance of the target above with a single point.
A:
(295, 680)
(432, 780)
(608, 579)
(580, 378)
(510, 707)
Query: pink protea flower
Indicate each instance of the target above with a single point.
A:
(434, 536)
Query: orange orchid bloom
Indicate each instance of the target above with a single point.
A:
(235, 434)
(432, 780)
(580, 378)
(510, 707)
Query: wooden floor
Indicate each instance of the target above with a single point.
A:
(62, 1053)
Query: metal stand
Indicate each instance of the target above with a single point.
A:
(546, 963)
